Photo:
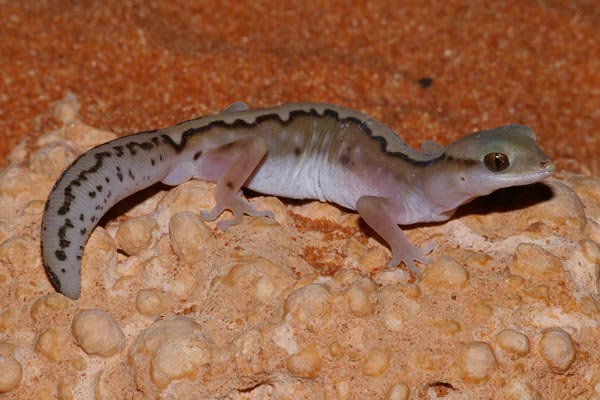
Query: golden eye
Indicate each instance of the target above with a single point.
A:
(496, 162)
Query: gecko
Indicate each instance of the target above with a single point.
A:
(314, 151)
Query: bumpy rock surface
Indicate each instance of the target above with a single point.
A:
(300, 306)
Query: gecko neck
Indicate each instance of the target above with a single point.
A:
(444, 185)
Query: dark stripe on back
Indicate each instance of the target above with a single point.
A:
(240, 123)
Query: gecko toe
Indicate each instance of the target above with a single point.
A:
(428, 247)
(212, 214)
(226, 223)
(265, 213)
(408, 257)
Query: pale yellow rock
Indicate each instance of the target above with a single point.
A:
(6, 230)
(64, 391)
(344, 277)
(513, 342)
(23, 186)
(177, 360)
(477, 362)
(557, 348)
(97, 333)
(77, 362)
(276, 206)
(447, 326)
(336, 349)
(56, 301)
(353, 250)
(6, 318)
(99, 261)
(594, 382)
(309, 305)
(182, 284)
(52, 159)
(189, 236)
(18, 154)
(49, 345)
(483, 309)
(591, 250)
(258, 276)
(360, 298)
(7, 349)
(373, 258)
(136, 235)
(361, 257)
(23, 292)
(249, 352)
(540, 293)
(190, 196)
(398, 391)
(67, 108)
(342, 389)
(11, 373)
(124, 283)
(306, 363)
(317, 210)
(20, 252)
(520, 391)
(85, 135)
(588, 306)
(393, 320)
(170, 350)
(154, 272)
(150, 302)
(534, 262)
(444, 272)
(48, 304)
(515, 282)
(586, 187)
(562, 214)
(44, 394)
(101, 246)
(377, 362)
(99, 387)
(73, 129)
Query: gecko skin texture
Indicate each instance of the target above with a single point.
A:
(303, 151)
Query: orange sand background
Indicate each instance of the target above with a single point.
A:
(136, 65)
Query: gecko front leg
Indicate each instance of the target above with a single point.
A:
(376, 213)
(237, 161)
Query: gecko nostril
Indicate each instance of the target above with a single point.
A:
(547, 164)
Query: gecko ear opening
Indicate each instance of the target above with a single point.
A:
(496, 162)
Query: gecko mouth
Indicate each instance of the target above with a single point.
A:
(546, 169)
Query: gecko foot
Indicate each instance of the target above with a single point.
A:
(238, 206)
(409, 255)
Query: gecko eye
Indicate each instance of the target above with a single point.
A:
(496, 162)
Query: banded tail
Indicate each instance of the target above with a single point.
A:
(87, 189)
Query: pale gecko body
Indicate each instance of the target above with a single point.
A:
(304, 151)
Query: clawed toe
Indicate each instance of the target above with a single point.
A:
(212, 214)
(226, 223)
(238, 208)
(408, 257)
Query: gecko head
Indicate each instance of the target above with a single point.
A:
(484, 161)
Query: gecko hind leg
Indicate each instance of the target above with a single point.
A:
(243, 156)
(376, 213)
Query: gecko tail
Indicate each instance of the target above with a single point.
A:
(86, 190)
